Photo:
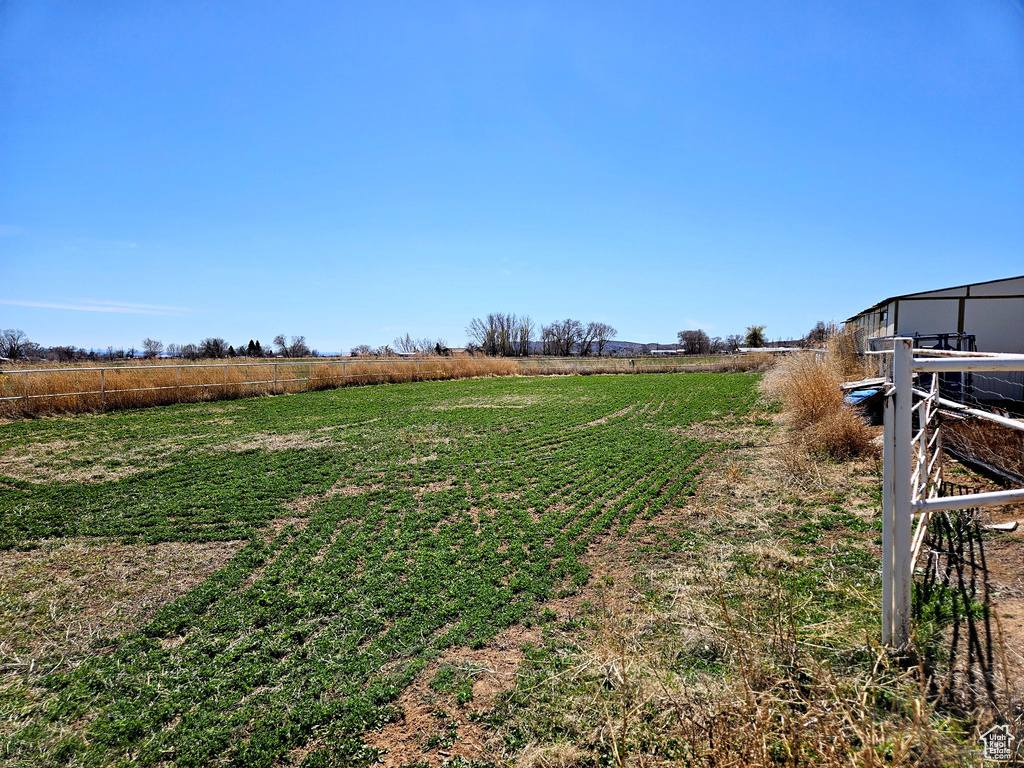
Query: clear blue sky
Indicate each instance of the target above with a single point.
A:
(352, 171)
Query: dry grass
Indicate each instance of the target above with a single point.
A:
(754, 362)
(57, 600)
(992, 445)
(78, 389)
(781, 707)
(808, 386)
(150, 385)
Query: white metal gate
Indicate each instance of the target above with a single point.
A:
(912, 467)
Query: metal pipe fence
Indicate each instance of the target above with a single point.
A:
(912, 480)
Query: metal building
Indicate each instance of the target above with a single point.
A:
(983, 317)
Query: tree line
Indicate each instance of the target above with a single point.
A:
(509, 335)
(15, 345)
(497, 334)
(216, 348)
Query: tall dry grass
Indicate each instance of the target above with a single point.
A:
(808, 385)
(78, 389)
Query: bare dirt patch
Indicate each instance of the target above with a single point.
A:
(61, 599)
(434, 727)
(420, 459)
(717, 432)
(278, 524)
(353, 489)
(609, 417)
(274, 442)
(72, 461)
(1004, 556)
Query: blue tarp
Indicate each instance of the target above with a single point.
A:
(859, 395)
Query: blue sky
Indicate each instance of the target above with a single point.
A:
(353, 171)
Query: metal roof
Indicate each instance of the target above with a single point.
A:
(883, 302)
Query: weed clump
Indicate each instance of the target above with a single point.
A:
(707, 673)
(808, 387)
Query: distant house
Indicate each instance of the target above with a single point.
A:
(983, 317)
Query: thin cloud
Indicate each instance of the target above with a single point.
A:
(92, 305)
(10, 229)
(129, 305)
(698, 324)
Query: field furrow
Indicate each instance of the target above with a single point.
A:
(378, 527)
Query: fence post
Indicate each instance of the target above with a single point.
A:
(888, 446)
(26, 391)
(275, 378)
(897, 511)
(309, 376)
(103, 389)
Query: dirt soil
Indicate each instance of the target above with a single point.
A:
(65, 597)
(1004, 556)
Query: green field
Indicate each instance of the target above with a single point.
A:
(381, 526)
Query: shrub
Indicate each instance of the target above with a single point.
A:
(809, 388)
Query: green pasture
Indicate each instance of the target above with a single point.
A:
(382, 525)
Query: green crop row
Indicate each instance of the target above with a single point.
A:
(432, 515)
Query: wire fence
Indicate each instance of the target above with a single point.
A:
(36, 391)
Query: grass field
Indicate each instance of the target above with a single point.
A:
(372, 529)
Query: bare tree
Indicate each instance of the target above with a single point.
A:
(174, 350)
(820, 333)
(602, 334)
(587, 338)
(695, 342)
(405, 344)
(733, 343)
(14, 344)
(298, 347)
(547, 340)
(152, 347)
(501, 334)
(482, 335)
(191, 352)
(213, 347)
(363, 350)
(281, 342)
(63, 354)
(522, 335)
(425, 346)
(562, 338)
